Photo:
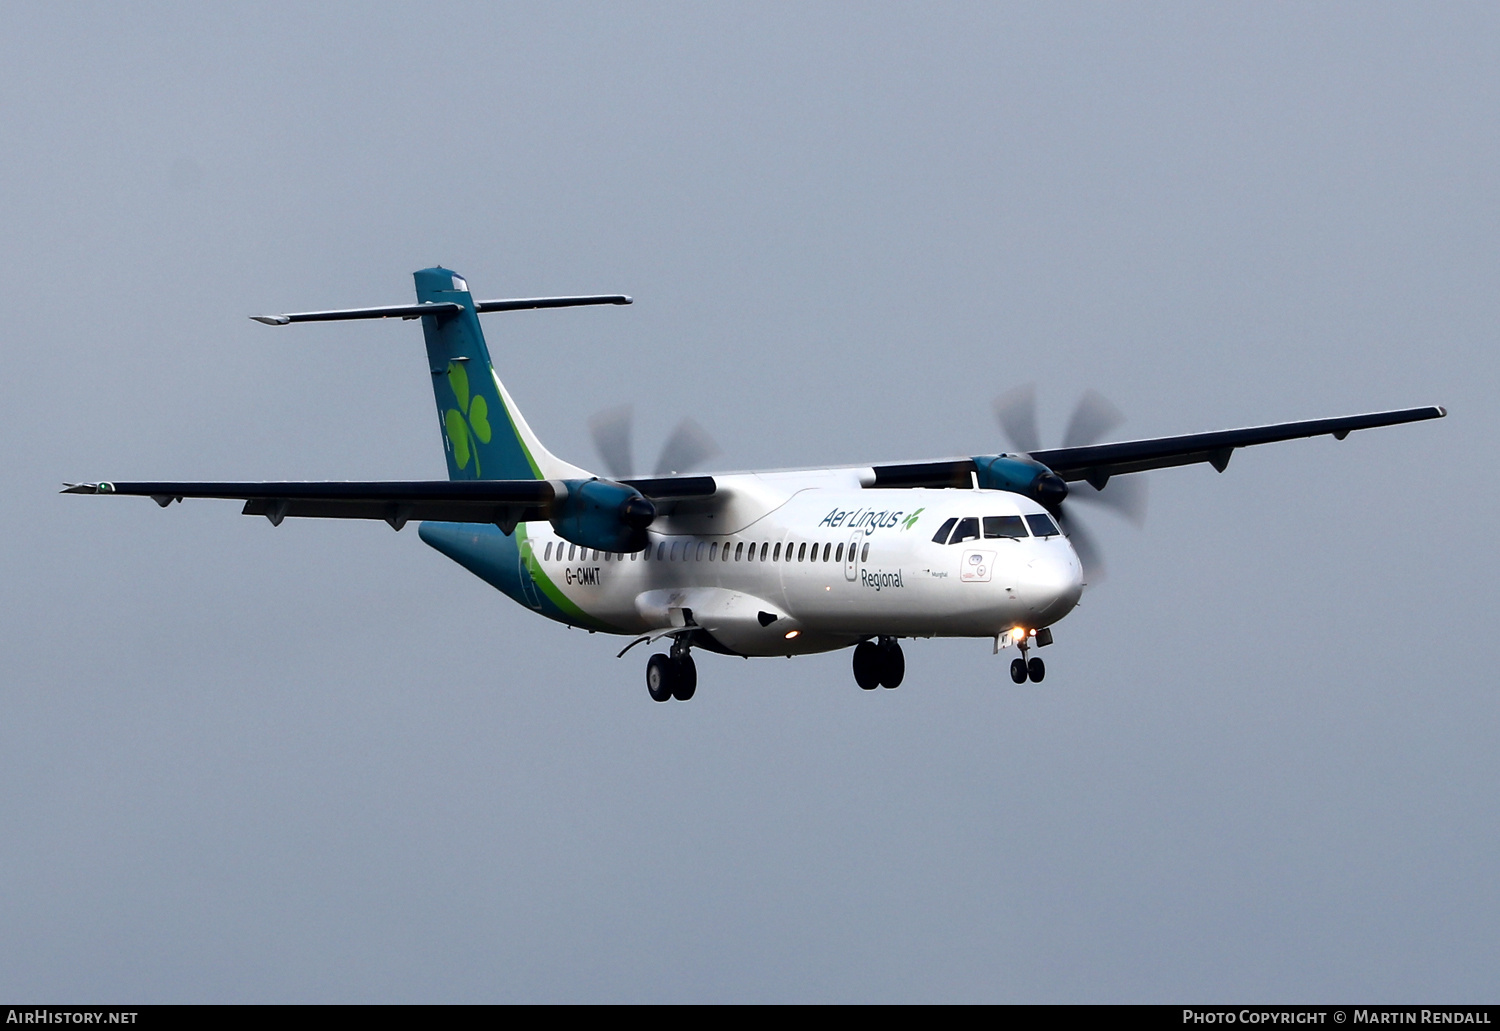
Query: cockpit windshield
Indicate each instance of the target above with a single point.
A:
(961, 531)
(966, 530)
(941, 537)
(1042, 526)
(1003, 526)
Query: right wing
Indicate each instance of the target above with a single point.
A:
(1096, 463)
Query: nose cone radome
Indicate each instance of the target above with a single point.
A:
(1051, 585)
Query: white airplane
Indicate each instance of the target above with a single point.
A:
(775, 563)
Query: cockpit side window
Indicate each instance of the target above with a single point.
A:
(966, 530)
(1004, 526)
(1042, 526)
(941, 537)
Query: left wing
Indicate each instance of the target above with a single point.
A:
(502, 502)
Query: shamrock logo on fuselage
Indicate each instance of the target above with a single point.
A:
(468, 425)
(911, 520)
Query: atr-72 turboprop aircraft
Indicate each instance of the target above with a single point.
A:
(760, 563)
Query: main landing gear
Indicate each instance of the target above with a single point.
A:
(672, 676)
(879, 664)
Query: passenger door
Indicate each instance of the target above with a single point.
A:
(851, 560)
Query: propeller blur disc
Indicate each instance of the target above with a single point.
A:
(611, 430)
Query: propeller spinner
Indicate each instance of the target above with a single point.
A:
(1094, 416)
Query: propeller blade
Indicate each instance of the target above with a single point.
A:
(686, 449)
(1084, 544)
(1015, 411)
(611, 432)
(1124, 495)
(1092, 419)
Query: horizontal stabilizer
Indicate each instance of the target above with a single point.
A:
(416, 311)
(394, 311)
(525, 303)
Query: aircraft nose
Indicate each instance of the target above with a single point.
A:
(1052, 585)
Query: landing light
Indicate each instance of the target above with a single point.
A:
(1018, 633)
(792, 633)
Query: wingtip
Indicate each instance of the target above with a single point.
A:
(87, 488)
(271, 320)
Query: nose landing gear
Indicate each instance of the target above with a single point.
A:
(1035, 670)
(879, 664)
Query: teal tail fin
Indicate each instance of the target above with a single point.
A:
(484, 435)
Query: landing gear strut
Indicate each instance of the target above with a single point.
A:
(672, 676)
(879, 664)
(1021, 670)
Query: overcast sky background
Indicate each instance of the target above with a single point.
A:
(323, 763)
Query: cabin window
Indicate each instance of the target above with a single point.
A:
(1003, 526)
(713, 551)
(750, 555)
(572, 550)
(838, 556)
(674, 551)
(966, 530)
(864, 553)
(739, 551)
(1042, 526)
(776, 554)
(802, 551)
(827, 550)
(646, 555)
(941, 537)
(763, 547)
(698, 557)
(661, 551)
(547, 555)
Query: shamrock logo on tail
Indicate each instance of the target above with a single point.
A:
(469, 422)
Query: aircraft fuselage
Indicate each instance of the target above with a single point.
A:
(796, 563)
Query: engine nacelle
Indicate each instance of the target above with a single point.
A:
(602, 515)
(1021, 475)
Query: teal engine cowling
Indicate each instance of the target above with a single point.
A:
(602, 515)
(1021, 475)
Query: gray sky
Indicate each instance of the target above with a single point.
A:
(323, 763)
